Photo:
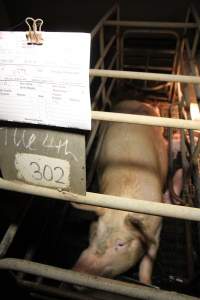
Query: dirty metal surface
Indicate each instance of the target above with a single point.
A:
(43, 157)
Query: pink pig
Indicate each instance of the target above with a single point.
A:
(133, 163)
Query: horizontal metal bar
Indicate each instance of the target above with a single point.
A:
(151, 31)
(86, 280)
(146, 51)
(144, 76)
(145, 120)
(164, 69)
(115, 202)
(50, 290)
(150, 24)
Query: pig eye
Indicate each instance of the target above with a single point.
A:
(120, 244)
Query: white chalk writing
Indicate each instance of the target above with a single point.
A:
(30, 141)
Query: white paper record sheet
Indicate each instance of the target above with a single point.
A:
(45, 84)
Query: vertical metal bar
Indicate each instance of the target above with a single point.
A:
(179, 49)
(101, 44)
(118, 65)
(187, 17)
(122, 52)
(195, 153)
(92, 137)
(195, 43)
(196, 16)
(110, 88)
(96, 155)
(196, 38)
(98, 93)
(146, 68)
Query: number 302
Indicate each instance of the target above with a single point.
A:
(47, 172)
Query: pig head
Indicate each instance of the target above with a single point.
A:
(133, 164)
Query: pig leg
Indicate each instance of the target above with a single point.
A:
(176, 188)
(146, 265)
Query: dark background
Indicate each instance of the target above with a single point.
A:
(65, 15)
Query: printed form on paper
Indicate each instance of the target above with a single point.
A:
(45, 84)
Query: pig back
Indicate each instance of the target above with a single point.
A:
(133, 159)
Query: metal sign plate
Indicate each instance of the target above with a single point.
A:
(43, 157)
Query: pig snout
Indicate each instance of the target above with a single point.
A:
(86, 264)
(92, 264)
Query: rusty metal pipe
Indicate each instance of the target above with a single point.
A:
(95, 282)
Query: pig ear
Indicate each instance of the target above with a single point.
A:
(135, 222)
(98, 210)
(138, 225)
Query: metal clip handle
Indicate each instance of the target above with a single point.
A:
(33, 35)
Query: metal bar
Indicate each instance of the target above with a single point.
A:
(95, 282)
(118, 67)
(193, 70)
(145, 120)
(196, 151)
(104, 51)
(98, 93)
(187, 17)
(195, 154)
(91, 138)
(196, 16)
(145, 31)
(153, 31)
(150, 24)
(195, 43)
(63, 293)
(102, 21)
(148, 51)
(8, 238)
(196, 38)
(144, 76)
(12, 230)
(179, 46)
(110, 88)
(100, 61)
(102, 200)
(167, 69)
(95, 157)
